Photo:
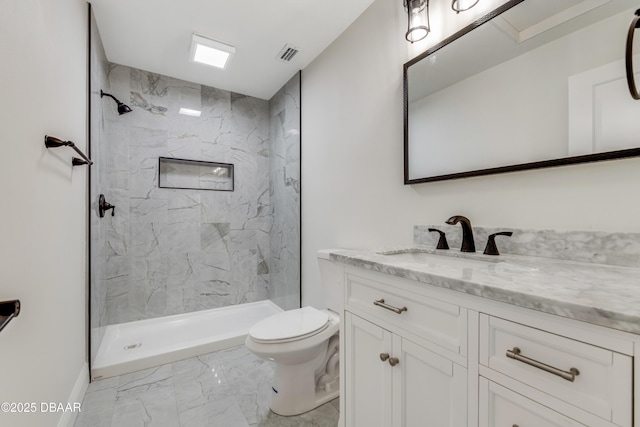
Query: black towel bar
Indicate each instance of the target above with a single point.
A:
(8, 310)
(52, 142)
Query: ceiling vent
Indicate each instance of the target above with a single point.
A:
(287, 53)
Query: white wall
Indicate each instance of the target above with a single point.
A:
(43, 209)
(352, 165)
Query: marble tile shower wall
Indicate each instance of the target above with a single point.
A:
(171, 250)
(284, 133)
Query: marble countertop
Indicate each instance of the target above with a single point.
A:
(600, 294)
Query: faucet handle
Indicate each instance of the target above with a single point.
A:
(491, 248)
(442, 240)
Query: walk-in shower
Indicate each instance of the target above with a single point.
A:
(217, 245)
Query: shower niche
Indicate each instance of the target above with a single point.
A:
(194, 174)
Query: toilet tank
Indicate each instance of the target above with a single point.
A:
(332, 281)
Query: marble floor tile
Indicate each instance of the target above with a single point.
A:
(216, 413)
(146, 398)
(228, 388)
(97, 408)
(198, 381)
(324, 416)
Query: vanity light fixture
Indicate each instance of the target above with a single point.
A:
(462, 5)
(418, 26)
(417, 19)
(189, 112)
(210, 52)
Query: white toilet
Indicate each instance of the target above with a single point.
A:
(303, 343)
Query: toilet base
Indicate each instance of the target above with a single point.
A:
(294, 389)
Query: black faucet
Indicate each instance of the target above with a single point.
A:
(468, 244)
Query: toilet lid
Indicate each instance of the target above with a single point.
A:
(290, 324)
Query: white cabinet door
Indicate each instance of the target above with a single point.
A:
(500, 407)
(422, 389)
(428, 389)
(368, 378)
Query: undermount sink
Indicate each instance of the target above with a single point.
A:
(442, 257)
(457, 259)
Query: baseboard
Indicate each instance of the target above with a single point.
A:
(77, 395)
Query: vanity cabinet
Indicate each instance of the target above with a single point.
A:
(415, 354)
(396, 358)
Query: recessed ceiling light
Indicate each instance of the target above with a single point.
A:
(189, 112)
(210, 52)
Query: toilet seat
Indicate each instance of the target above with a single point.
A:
(290, 325)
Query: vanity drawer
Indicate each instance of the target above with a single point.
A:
(594, 379)
(416, 312)
(500, 407)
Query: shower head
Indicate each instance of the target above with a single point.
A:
(122, 108)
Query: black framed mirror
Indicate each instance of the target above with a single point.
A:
(532, 84)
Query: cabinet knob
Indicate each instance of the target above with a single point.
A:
(384, 356)
(393, 361)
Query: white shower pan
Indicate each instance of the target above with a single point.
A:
(132, 346)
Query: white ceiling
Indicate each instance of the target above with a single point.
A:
(155, 35)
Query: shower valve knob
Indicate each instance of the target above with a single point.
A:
(104, 206)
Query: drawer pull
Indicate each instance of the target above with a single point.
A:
(567, 375)
(380, 303)
(384, 356)
(394, 361)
